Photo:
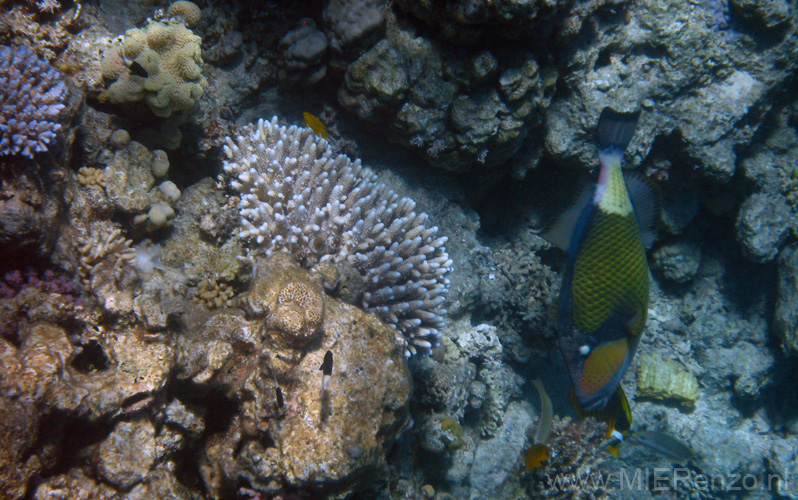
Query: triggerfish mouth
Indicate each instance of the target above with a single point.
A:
(603, 303)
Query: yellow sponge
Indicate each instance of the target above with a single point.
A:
(659, 378)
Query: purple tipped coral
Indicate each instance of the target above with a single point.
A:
(31, 97)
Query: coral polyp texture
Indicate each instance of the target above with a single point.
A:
(297, 196)
(31, 97)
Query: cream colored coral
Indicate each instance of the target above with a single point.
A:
(90, 176)
(213, 294)
(135, 41)
(104, 246)
(188, 11)
(112, 66)
(171, 56)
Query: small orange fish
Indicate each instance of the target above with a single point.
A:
(535, 457)
(316, 125)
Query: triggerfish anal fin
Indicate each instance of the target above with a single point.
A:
(616, 414)
(603, 303)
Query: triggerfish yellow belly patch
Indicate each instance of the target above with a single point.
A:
(603, 304)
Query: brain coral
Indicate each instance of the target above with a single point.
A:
(298, 313)
(171, 58)
(298, 197)
(188, 11)
(31, 97)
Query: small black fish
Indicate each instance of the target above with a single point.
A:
(138, 70)
(327, 366)
(326, 370)
(280, 401)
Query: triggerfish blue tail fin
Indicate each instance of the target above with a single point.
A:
(615, 131)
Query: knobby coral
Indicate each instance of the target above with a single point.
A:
(299, 197)
(31, 97)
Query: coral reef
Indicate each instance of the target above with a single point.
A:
(213, 294)
(297, 196)
(763, 226)
(30, 208)
(32, 95)
(576, 458)
(354, 25)
(678, 261)
(162, 332)
(303, 49)
(730, 77)
(457, 112)
(786, 313)
(170, 57)
(321, 438)
(189, 12)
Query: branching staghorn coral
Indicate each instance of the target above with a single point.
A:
(31, 97)
(297, 196)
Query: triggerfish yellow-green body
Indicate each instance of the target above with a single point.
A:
(603, 304)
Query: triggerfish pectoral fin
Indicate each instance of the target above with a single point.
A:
(603, 303)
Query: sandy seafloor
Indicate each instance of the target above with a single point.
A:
(152, 346)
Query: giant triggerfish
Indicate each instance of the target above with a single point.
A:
(603, 303)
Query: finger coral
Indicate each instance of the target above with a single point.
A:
(298, 197)
(31, 97)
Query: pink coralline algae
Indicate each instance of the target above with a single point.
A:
(48, 281)
(31, 97)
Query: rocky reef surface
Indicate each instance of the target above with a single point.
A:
(195, 305)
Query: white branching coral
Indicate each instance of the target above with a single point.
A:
(298, 196)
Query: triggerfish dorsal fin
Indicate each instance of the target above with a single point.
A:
(561, 231)
(615, 130)
(647, 204)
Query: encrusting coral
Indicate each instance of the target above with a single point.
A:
(31, 97)
(297, 196)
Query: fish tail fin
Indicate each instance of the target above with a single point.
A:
(615, 130)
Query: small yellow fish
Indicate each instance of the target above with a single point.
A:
(316, 125)
(535, 457)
